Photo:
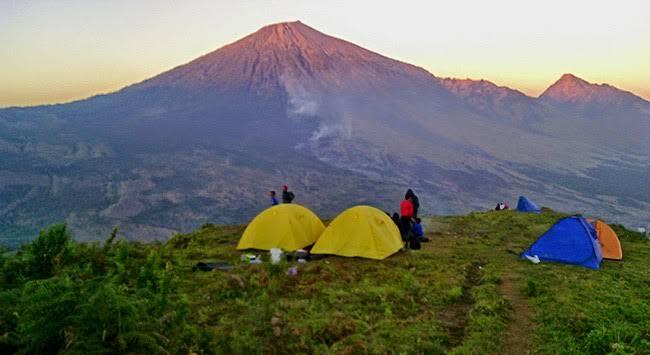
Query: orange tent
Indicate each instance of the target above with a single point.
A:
(610, 246)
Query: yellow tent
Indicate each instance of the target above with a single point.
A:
(610, 246)
(286, 226)
(360, 231)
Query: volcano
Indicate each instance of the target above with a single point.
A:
(341, 125)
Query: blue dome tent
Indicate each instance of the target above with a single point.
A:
(571, 240)
(526, 205)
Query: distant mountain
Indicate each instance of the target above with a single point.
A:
(205, 141)
(571, 89)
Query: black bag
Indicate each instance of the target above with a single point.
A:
(223, 266)
(291, 196)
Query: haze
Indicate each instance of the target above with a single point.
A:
(57, 51)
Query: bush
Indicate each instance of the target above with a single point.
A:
(44, 314)
(71, 297)
(49, 252)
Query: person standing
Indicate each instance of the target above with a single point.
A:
(415, 201)
(406, 212)
(395, 218)
(287, 196)
(274, 200)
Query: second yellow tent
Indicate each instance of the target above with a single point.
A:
(362, 231)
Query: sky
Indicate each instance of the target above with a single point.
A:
(62, 50)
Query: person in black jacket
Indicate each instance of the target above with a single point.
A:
(287, 196)
(395, 218)
(414, 200)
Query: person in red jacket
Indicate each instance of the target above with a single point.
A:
(406, 212)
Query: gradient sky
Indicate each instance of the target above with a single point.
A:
(61, 50)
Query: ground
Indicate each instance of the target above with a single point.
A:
(465, 292)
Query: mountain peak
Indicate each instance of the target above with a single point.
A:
(572, 89)
(284, 25)
(282, 32)
(284, 52)
(570, 77)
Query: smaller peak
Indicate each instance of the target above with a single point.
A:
(570, 88)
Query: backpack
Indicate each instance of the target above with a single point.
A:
(291, 196)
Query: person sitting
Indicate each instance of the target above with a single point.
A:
(417, 229)
(274, 200)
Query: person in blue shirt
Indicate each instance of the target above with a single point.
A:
(274, 201)
(417, 230)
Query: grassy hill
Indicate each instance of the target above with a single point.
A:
(464, 292)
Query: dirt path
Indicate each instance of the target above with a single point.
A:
(455, 317)
(520, 325)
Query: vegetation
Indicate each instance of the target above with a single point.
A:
(465, 292)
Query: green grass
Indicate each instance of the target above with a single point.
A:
(465, 292)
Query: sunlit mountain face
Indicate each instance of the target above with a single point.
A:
(341, 125)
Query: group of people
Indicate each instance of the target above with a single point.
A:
(287, 196)
(501, 206)
(408, 222)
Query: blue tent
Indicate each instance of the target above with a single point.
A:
(526, 205)
(571, 240)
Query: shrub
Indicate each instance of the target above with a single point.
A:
(49, 252)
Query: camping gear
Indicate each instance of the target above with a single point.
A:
(223, 266)
(298, 254)
(276, 255)
(571, 240)
(292, 271)
(362, 231)
(287, 226)
(526, 205)
(610, 246)
(251, 258)
(533, 259)
(248, 257)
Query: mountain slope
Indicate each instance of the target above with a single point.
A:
(342, 125)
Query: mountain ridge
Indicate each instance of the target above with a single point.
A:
(293, 32)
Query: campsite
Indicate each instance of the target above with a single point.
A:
(467, 291)
(324, 177)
